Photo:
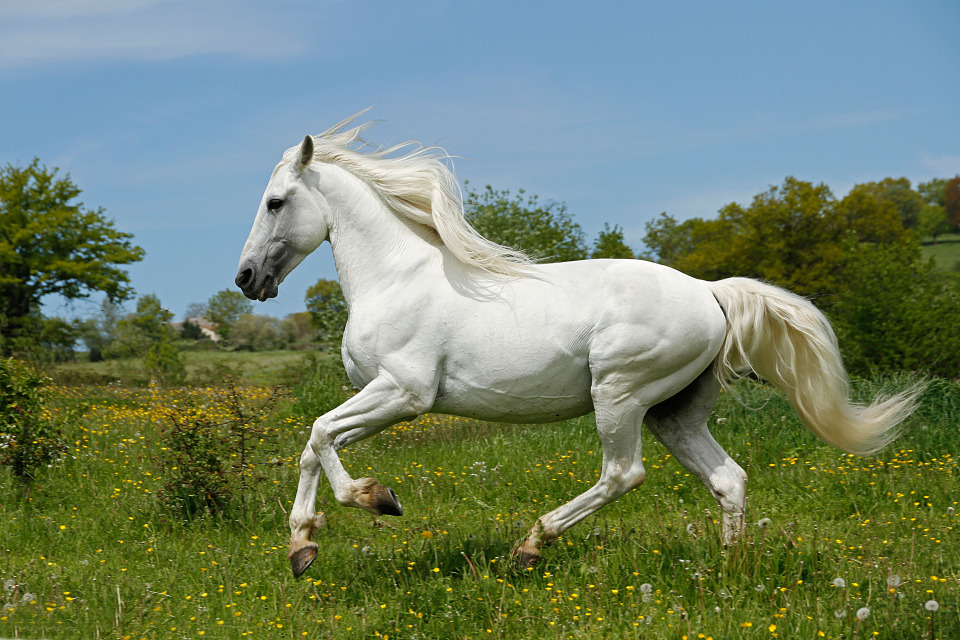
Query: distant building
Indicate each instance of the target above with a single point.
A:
(207, 327)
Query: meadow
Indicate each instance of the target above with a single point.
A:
(836, 546)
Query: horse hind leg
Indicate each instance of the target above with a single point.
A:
(622, 470)
(680, 423)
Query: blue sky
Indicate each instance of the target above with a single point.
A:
(171, 114)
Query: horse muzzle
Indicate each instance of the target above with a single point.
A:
(256, 287)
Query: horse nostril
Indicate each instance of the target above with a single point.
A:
(244, 277)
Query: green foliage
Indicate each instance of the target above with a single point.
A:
(793, 236)
(934, 191)
(547, 232)
(897, 312)
(297, 331)
(256, 333)
(327, 308)
(136, 334)
(49, 245)
(893, 310)
(899, 193)
(932, 222)
(951, 202)
(610, 244)
(225, 308)
(29, 439)
(211, 451)
(319, 385)
(164, 362)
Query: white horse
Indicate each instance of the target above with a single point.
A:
(442, 320)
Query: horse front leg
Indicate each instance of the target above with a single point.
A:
(380, 404)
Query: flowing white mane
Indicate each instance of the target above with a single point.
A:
(415, 182)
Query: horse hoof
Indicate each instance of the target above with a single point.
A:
(525, 559)
(385, 501)
(301, 559)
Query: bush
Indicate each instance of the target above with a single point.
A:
(210, 451)
(29, 439)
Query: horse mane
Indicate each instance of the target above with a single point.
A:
(416, 182)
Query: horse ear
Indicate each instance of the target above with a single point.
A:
(306, 152)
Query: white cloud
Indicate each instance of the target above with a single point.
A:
(53, 31)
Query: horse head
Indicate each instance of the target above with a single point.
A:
(291, 222)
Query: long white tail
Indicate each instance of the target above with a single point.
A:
(785, 340)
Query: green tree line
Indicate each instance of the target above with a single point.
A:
(858, 257)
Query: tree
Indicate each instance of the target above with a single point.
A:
(195, 310)
(50, 244)
(951, 202)
(137, 332)
(933, 191)
(932, 222)
(898, 312)
(898, 192)
(256, 332)
(610, 244)
(225, 308)
(544, 231)
(297, 330)
(793, 235)
(327, 308)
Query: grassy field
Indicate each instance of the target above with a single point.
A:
(946, 252)
(848, 547)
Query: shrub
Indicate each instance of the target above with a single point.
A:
(29, 439)
(210, 451)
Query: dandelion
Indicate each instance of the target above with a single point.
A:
(839, 583)
(932, 606)
(840, 614)
(759, 587)
(9, 585)
(27, 597)
(692, 530)
(862, 613)
(763, 523)
(646, 587)
(893, 581)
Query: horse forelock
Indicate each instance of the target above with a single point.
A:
(415, 182)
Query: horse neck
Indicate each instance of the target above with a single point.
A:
(372, 247)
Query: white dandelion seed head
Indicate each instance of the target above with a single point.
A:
(646, 587)
(9, 584)
(839, 614)
(764, 523)
(893, 581)
(931, 605)
(27, 597)
(839, 583)
(862, 613)
(759, 587)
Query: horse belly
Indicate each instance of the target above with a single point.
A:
(529, 386)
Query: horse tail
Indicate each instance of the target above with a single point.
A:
(785, 340)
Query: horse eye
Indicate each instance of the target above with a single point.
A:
(274, 204)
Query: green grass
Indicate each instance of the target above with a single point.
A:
(93, 549)
(946, 252)
(202, 366)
